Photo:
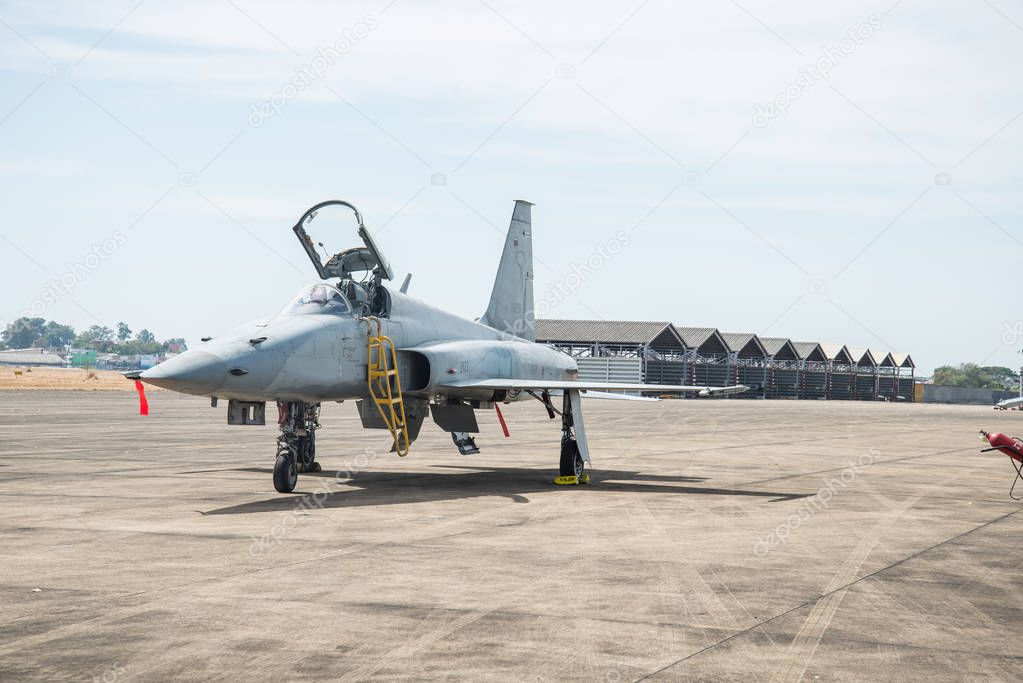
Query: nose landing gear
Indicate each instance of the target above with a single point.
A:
(296, 446)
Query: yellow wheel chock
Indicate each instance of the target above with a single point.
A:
(572, 480)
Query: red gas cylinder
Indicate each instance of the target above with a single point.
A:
(1009, 445)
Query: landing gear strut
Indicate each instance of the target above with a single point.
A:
(296, 446)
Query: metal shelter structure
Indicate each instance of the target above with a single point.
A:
(774, 367)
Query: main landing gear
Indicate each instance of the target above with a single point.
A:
(575, 454)
(296, 446)
(573, 463)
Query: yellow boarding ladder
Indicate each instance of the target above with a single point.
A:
(385, 386)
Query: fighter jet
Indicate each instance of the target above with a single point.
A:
(354, 336)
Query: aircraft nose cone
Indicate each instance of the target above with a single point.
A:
(193, 372)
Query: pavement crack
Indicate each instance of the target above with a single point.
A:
(827, 594)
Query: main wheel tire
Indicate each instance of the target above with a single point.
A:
(572, 464)
(285, 473)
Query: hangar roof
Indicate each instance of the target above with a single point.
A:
(746, 344)
(780, 348)
(707, 340)
(883, 359)
(861, 356)
(811, 351)
(607, 332)
(836, 352)
(696, 336)
(903, 360)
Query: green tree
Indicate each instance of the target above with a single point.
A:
(143, 343)
(24, 333)
(1003, 377)
(123, 332)
(58, 336)
(175, 344)
(973, 375)
(97, 336)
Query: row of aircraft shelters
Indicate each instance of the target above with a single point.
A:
(774, 367)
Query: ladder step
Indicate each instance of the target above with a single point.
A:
(383, 365)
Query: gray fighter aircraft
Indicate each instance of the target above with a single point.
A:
(355, 336)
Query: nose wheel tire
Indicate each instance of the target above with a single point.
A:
(285, 473)
(572, 464)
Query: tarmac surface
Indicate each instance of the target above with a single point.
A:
(719, 540)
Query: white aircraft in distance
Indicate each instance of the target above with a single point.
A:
(400, 359)
(1010, 403)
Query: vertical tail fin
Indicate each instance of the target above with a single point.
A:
(511, 302)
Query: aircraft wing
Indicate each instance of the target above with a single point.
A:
(590, 393)
(540, 385)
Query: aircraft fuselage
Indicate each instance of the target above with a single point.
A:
(316, 358)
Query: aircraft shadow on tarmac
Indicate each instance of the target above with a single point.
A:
(368, 488)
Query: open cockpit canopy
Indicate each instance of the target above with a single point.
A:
(367, 260)
(360, 271)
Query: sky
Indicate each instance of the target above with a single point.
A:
(825, 171)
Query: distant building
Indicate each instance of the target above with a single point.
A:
(113, 361)
(772, 367)
(83, 358)
(31, 358)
